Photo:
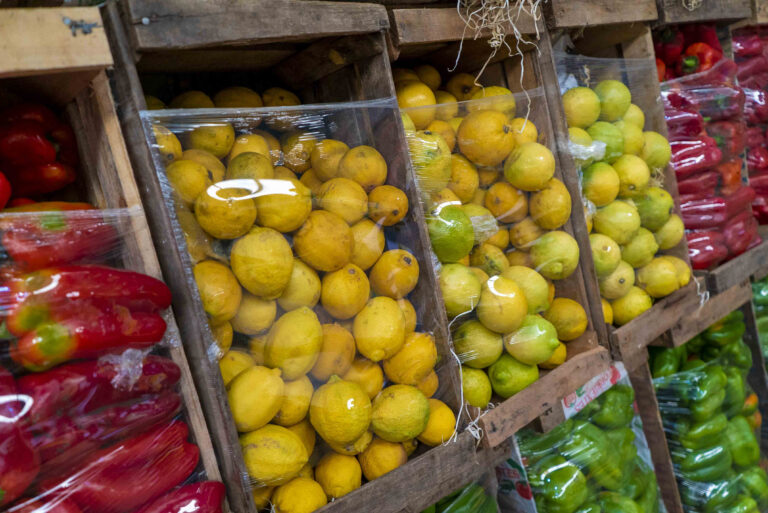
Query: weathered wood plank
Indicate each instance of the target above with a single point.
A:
(567, 13)
(677, 11)
(737, 270)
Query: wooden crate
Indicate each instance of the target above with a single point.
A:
(585, 13)
(434, 36)
(73, 79)
(327, 52)
(759, 12)
(689, 11)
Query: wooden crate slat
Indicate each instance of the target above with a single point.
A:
(760, 11)
(738, 269)
(757, 377)
(39, 41)
(675, 11)
(569, 13)
(182, 24)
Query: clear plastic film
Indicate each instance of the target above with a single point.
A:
(711, 418)
(476, 497)
(597, 460)
(498, 215)
(306, 251)
(635, 231)
(760, 304)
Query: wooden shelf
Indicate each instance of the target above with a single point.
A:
(735, 271)
(678, 11)
(585, 13)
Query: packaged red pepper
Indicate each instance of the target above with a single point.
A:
(754, 136)
(706, 249)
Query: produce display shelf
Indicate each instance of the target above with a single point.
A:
(676, 11)
(736, 270)
(569, 14)
(434, 36)
(74, 79)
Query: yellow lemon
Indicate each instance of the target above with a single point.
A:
(557, 358)
(275, 150)
(447, 108)
(306, 471)
(524, 131)
(479, 198)
(345, 198)
(256, 347)
(261, 496)
(364, 165)
(455, 123)
(283, 173)
(273, 455)
(418, 100)
(523, 234)
(617, 283)
(368, 243)
(300, 495)
(262, 261)
(399, 413)
(353, 448)
(671, 233)
(167, 143)
(462, 86)
(379, 329)
(381, 457)
(615, 99)
(153, 103)
(428, 386)
(387, 205)
(568, 318)
(233, 363)
(296, 397)
(534, 286)
(632, 304)
(431, 160)
(188, 178)
(324, 241)
(633, 137)
(441, 424)
(192, 100)
(400, 74)
(250, 166)
(337, 353)
(409, 313)
(477, 346)
(500, 239)
(485, 137)
(216, 169)
(600, 184)
(255, 396)
(429, 75)
(414, 361)
(237, 98)
(249, 143)
(683, 269)
(283, 205)
(395, 274)
(443, 198)
(607, 310)
(325, 158)
(635, 116)
(502, 306)
(488, 175)
(489, 258)
(345, 292)
(222, 335)
(410, 446)
(254, 315)
(219, 290)
(340, 411)
(495, 98)
(522, 258)
(555, 255)
(306, 434)
(303, 288)
(279, 97)
(297, 149)
(408, 125)
(338, 474)
(530, 166)
(215, 138)
(444, 130)
(464, 178)
(294, 343)
(658, 278)
(225, 213)
(506, 203)
(476, 387)
(582, 107)
(550, 207)
(367, 374)
(634, 175)
(618, 220)
(460, 289)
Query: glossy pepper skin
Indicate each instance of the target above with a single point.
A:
(558, 484)
(706, 249)
(730, 175)
(588, 447)
(661, 70)
(755, 482)
(728, 329)
(615, 407)
(735, 392)
(537, 446)
(612, 502)
(740, 231)
(666, 361)
(706, 465)
(694, 155)
(669, 45)
(55, 506)
(701, 183)
(742, 442)
(704, 213)
(203, 497)
(705, 433)
(728, 135)
(757, 159)
(699, 57)
(470, 498)
(746, 45)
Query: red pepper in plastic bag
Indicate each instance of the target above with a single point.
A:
(81, 387)
(706, 249)
(754, 136)
(730, 174)
(759, 182)
(752, 66)
(683, 124)
(757, 159)
(691, 156)
(719, 102)
(669, 45)
(55, 506)
(704, 213)
(131, 473)
(704, 182)
(760, 209)
(205, 497)
(746, 45)
(755, 106)
(739, 232)
(739, 201)
(728, 135)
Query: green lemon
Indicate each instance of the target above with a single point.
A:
(615, 99)
(618, 283)
(451, 233)
(460, 287)
(476, 387)
(611, 136)
(640, 250)
(533, 342)
(477, 346)
(654, 206)
(618, 220)
(555, 255)
(671, 233)
(509, 376)
(606, 254)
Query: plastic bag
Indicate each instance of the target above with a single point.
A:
(498, 217)
(636, 229)
(760, 302)
(710, 418)
(598, 458)
(477, 497)
(305, 249)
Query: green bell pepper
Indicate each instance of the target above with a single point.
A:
(760, 293)
(709, 394)
(693, 364)
(469, 500)
(559, 485)
(638, 480)
(704, 465)
(707, 407)
(744, 504)
(694, 345)
(589, 508)
(705, 433)
(735, 392)
(666, 361)
(737, 354)
(755, 481)
(535, 446)
(708, 497)
(726, 330)
(489, 506)
(762, 322)
(743, 445)
(649, 500)
(612, 502)
(616, 408)
(590, 449)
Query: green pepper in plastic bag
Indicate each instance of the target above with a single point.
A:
(705, 465)
(666, 361)
(589, 508)
(705, 433)
(742, 442)
(728, 329)
(470, 498)
(615, 407)
(612, 502)
(559, 485)
(755, 481)
(649, 500)
(536, 445)
(760, 293)
(693, 364)
(589, 448)
(744, 504)
(737, 354)
(735, 392)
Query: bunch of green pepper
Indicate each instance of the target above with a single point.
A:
(471, 499)
(760, 300)
(589, 464)
(710, 420)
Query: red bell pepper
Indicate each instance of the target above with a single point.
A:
(730, 174)
(705, 182)
(683, 124)
(757, 159)
(759, 182)
(739, 232)
(706, 249)
(5, 191)
(669, 45)
(754, 136)
(63, 442)
(32, 298)
(81, 387)
(19, 462)
(24, 143)
(661, 70)
(746, 45)
(697, 57)
(721, 101)
(728, 135)
(37, 179)
(19, 202)
(704, 213)
(751, 66)
(760, 209)
(205, 497)
(129, 474)
(30, 112)
(90, 332)
(702, 33)
(691, 156)
(740, 200)
(54, 506)
(61, 134)
(755, 106)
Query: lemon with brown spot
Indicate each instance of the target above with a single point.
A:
(262, 262)
(445, 131)
(506, 203)
(345, 198)
(387, 205)
(489, 258)
(410, 446)
(215, 167)
(273, 455)
(524, 234)
(485, 137)
(297, 149)
(441, 425)
(294, 343)
(167, 143)
(447, 107)
(300, 495)
(345, 292)
(338, 474)
(254, 397)
(368, 243)
(395, 274)
(500, 239)
(399, 413)
(414, 361)
(530, 166)
(502, 306)
(617, 283)
(516, 257)
(303, 288)
(254, 315)
(550, 207)
(295, 404)
(219, 290)
(634, 175)
(462, 86)
(364, 165)
(325, 158)
(418, 100)
(379, 329)
(353, 448)
(324, 241)
(192, 100)
(188, 178)
(233, 363)
(215, 138)
(337, 353)
(568, 317)
(340, 411)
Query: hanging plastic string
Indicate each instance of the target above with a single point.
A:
(701, 291)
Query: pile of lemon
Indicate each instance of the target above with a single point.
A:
(633, 219)
(297, 268)
(495, 216)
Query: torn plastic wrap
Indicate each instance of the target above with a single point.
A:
(635, 230)
(301, 239)
(711, 419)
(597, 460)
